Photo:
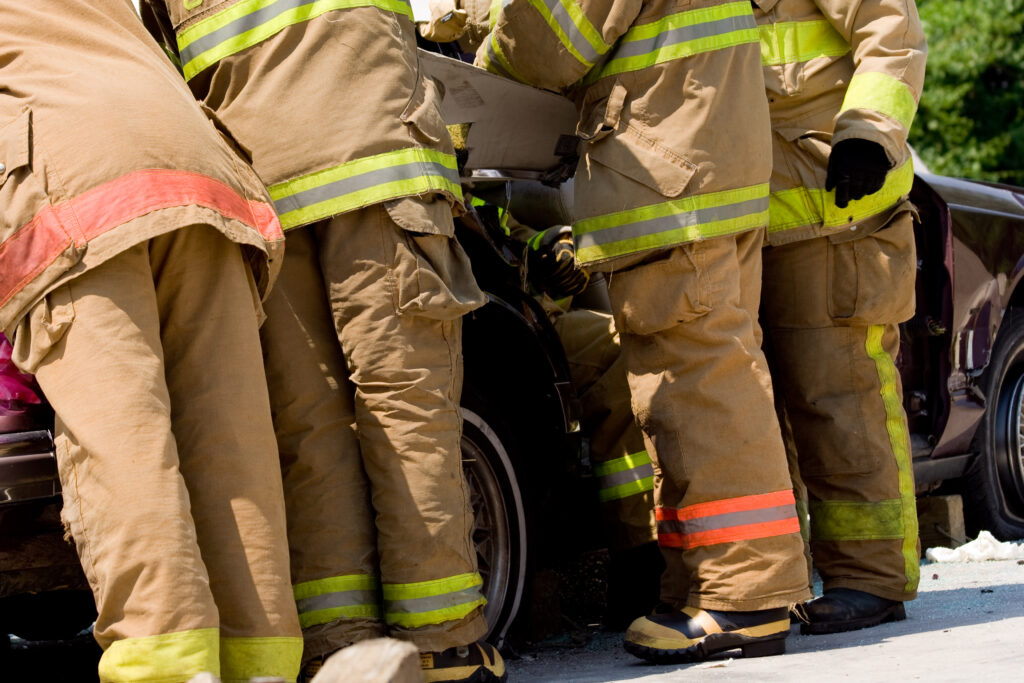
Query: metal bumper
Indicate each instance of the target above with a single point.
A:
(28, 466)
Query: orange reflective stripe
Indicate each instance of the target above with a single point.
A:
(726, 521)
(35, 245)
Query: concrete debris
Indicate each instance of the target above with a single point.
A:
(380, 660)
(984, 547)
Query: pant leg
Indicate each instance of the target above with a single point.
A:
(221, 422)
(703, 398)
(153, 558)
(832, 312)
(331, 533)
(397, 296)
(623, 468)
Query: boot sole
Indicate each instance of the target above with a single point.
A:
(894, 613)
(710, 645)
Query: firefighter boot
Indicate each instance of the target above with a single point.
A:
(477, 662)
(695, 634)
(845, 609)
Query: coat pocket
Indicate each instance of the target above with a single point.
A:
(871, 279)
(432, 274)
(639, 157)
(423, 112)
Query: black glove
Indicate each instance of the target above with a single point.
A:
(551, 263)
(856, 168)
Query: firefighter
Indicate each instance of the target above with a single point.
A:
(363, 339)
(135, 249)
(843, 80)
(674, 216)
(622, 468)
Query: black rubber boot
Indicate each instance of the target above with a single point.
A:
(845, 609)
(695, 634)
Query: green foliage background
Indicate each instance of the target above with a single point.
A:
(971, 119)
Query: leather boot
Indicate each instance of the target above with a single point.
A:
(695, 634)
(845, 609)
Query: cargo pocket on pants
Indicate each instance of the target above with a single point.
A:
(432, 274)
(871, 279)
(42, 328)
(659, 294)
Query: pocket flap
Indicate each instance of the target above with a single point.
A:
(14, 144)
(640, 158)
(423, 112)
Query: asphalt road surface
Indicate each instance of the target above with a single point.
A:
(967, 624)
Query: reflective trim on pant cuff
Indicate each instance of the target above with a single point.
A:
(163, 658)
(413, 605)
(245, 658)
(899, 440)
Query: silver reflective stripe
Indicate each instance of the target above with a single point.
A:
(576, 37)
(685, 219)
(627, 476)
(493, 63)
(635, 48)
(726, 520)
(363, 181)
(433, 603)
(239, 26)
(351, 598)
(244, 23)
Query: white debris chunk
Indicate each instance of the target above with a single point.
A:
(984, 547)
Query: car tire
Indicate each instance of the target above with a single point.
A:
(994, 491)
(499, 516)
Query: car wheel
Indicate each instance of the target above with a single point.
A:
(499, 521)
(994, 495)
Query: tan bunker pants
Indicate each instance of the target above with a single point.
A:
(363, 354)
(622, 466)
(703, 397)
(167, 458)
(831, 311)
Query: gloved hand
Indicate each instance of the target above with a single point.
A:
(447, 22)
(856, 168)
(551, 263)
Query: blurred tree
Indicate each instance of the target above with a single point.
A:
(971, 119)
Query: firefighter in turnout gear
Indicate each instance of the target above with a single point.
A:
(843, 79)
(134, 249)
(671, 201)
(621, 466)
(363, 339)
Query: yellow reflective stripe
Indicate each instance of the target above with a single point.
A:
(495, 61)
(335, 584)
(329, 614)
(847, 520)
(802, 515)
(412, 605)
(164, 658)
(882, 93)
(249, 22)
(673, 222)
(899, 440)
(574, 30)
(680, 35)
(629, 475)
(431, 589)
(626, 462)
(630, 488)
(802, 206)
(365, 181)
(337, 597)
(793, 42)
(243, 659)
(494, 11)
